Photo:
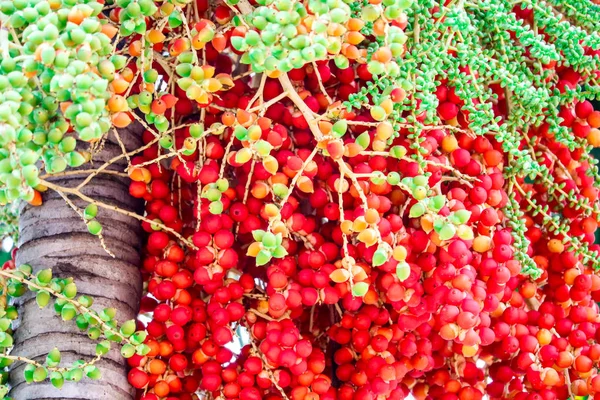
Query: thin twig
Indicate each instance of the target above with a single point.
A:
(76, 192)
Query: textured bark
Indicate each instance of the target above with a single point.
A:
(54, 236)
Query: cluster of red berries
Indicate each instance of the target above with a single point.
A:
(283, 235)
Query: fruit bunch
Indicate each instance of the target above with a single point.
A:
(373, 199)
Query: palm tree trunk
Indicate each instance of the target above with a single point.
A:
(54, 236)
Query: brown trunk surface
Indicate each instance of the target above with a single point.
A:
(54, 236)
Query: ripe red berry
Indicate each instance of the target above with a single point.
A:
(138, 378)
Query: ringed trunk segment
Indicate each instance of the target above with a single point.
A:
(54, 236)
